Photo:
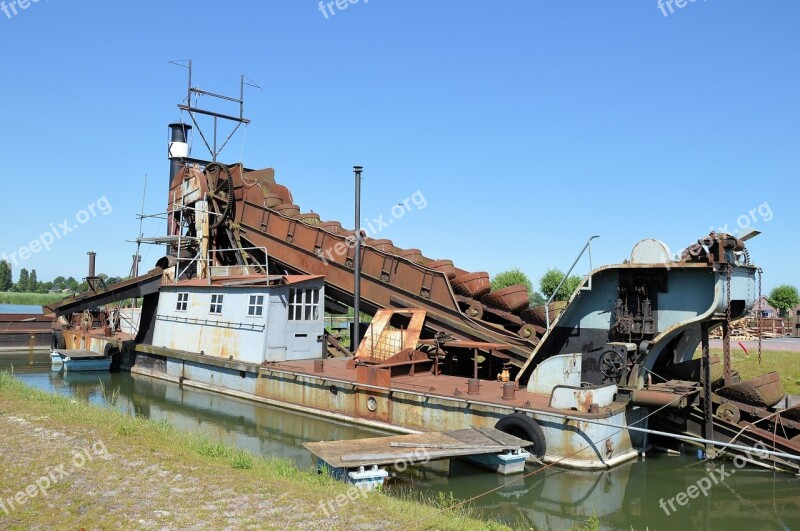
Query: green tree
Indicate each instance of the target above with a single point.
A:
(537, 299)
(6, 280)
(22, 283)
(60, 283)
(33, 282)
(550, 280)
(516, 276)
(784, 298)
(509, 278)
(71, 283)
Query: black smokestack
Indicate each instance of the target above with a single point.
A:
(92, 269)
(178, 147)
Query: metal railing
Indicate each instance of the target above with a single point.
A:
(566, 276)
(210, 261)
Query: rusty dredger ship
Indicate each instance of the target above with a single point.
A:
(237, 306)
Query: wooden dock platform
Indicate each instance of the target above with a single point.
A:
(79, 360)
(415, 448)
(78, 354)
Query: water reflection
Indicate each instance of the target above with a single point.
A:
(627, 496)
(258, 428)
(622, 498)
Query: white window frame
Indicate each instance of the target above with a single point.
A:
(255, 306)
(216, 303)
(304, 304)
(183, 302)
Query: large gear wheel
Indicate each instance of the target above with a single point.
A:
(729, 412)
(220, 193)
(612, 364)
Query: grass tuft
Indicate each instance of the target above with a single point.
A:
(242, 460)
(208, 448)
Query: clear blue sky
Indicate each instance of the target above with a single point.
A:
(527, 125)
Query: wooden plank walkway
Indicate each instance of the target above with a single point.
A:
(414, 448)
(78, 354)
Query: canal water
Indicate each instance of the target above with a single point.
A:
(633, 496)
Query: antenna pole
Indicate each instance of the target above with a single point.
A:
(241, 97)
(214, 148)
(357, 265)
(138, 257)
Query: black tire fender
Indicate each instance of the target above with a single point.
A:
(112, 351)
(524, 427)
(57, 340)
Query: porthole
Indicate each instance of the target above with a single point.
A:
(372, 404)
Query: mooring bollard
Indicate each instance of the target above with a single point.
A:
(509, 392)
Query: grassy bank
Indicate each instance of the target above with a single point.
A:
(786, 363)
(149, 475)
(7, 297)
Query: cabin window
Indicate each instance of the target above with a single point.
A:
(304, 304)
(216, 304)
(183, 302)
(256, 306)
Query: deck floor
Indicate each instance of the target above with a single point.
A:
(422, 382)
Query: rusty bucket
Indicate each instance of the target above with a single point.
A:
(413, 255)
(334, 227)
(288, 210)
(473, 285)
(278, 190)
(309, 218)
(443, 266)
(511, 299)
(382, 245)
(762, 391)
(537, 315)
(272, 200)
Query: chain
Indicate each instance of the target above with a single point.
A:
(728, 271)
(759, 271)
(726, 338)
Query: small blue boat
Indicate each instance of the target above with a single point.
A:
(56, 360)
(80, 360)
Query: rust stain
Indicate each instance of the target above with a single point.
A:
(586, 404)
